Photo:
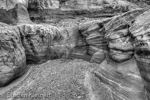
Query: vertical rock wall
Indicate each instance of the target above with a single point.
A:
(14, 11)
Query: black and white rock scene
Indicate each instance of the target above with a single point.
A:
(74, 50)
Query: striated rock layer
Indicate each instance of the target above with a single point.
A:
(36, 39)
(94, 41)
(14, 11)
(52, 11)
(119, 39)
(141, 33)
(122, 80)
(12, 55)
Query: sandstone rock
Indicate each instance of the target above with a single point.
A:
(98, 57)
(10, 4)
(22, 14)
(93, 32)
(122, 80)
(37, 41)
(118, 36)
(92, 50)
(45, 42)
(14, 11)
(53, 11)
(95, 4)
(140, 32)
(79, 4)
(74, 43)
(144, 71)
(12, 55)
(125, 18)
(43, 4)
(141, 3)
(120, 46)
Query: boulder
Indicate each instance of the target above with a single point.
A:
(43, 4)
(10, 4)
(12, 55)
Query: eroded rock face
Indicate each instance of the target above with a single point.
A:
(119, 39)
(93, 34)
(37, 41)
(79, 4)
(141, 32)
(93, 41)
(43, 4)
(12, 55)
(10, 4)
(122, 80)
(55, 11)
(14, 11)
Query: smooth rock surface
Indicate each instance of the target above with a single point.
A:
(65, 80)
(10, 4)
(93, 34)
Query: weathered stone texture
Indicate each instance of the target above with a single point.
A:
(93, 34)
(119, 39)
(94, 41)
(141, 32)
(37, 41)
(10, 4)
(12, 55)
(14, 11)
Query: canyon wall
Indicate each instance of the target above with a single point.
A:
(52, 11)
(108, 42)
